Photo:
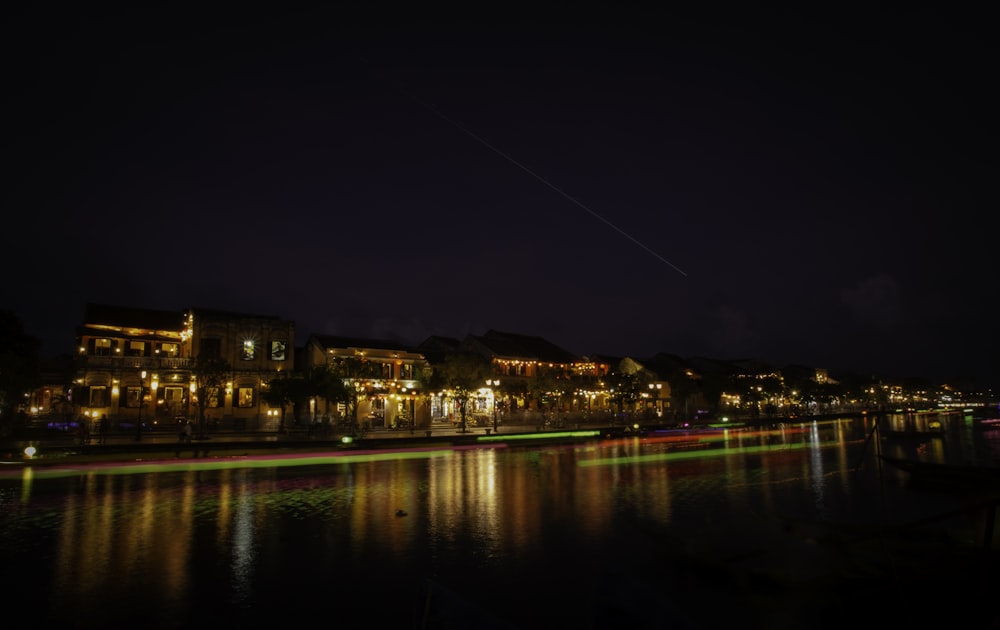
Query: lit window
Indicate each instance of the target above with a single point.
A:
(246, 397)
(212, 397)
(278, 350)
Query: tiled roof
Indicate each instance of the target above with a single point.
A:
(210, 313)
(664, 364)
(704, 365)
(128, 317)
(513, 346)
(440, 343)
(332, 341)
(436, 348)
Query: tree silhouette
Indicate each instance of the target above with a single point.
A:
(324, 383)
(280, 393)
(19, 370)
(211, 375)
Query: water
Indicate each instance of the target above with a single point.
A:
(676, 531)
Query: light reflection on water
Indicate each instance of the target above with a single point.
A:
(532, 535)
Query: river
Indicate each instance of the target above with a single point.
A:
(767, 527)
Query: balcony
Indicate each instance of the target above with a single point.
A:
(92, 362)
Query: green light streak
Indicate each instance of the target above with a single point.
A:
(538, 436)
(688, 455)
(51, 472)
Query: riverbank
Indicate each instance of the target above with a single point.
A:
(60, 447)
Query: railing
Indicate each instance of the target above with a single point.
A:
(135, 363)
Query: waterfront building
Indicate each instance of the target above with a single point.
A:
(388, 379)
(139, 368)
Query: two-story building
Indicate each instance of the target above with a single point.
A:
(138, 367)
(257, 348)
(531, 373)
(386, 375)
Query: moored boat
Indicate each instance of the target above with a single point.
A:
(955, 476)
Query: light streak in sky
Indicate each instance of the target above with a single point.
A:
(552, 186)
(527, 170)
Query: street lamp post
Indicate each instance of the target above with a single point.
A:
(138, 422)
(192, 390)
(153, 386)
(493, 384)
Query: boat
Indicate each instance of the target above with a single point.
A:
(955, 476)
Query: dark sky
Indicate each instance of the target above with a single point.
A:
(810, 188)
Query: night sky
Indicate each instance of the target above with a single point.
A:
(795, 188)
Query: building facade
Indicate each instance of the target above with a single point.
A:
(388, 379)
(139, 368)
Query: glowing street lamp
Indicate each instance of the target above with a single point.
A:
(493, 384)
(153, 386)
(138, 423)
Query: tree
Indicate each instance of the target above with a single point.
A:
(628, 382)
(324, 383)
(280, 393)
(211, 375)
(549, 387)
(683, 388)
(19, 370)
(462, 373)
(715, 383)
(349, 370)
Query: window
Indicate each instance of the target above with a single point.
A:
(278, 348)
(387, 371)
(169, 349)
(212, 397)
(135, 348)
(249, 350)
(132, 395)
(246, 397)
(173, 396)
(102, 347)
(406, 371)
(98, 396)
